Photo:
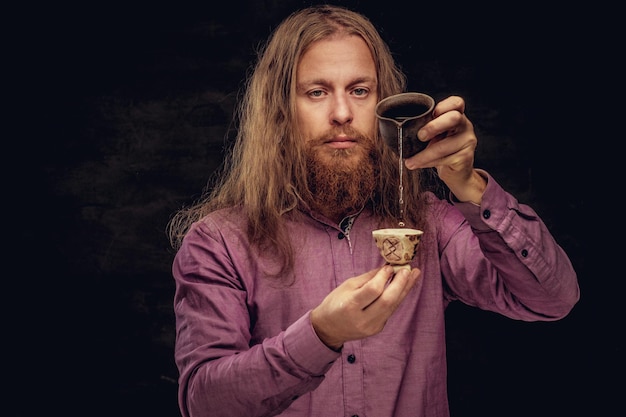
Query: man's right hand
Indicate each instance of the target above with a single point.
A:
(361, 306)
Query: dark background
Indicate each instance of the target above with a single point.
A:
(121, 116)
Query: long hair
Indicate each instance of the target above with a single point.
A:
(265, 174)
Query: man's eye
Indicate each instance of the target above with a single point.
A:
(360, 91)
(316, 93)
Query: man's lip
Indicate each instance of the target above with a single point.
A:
(341, 139)
(341, 143)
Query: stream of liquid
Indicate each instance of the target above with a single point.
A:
(400, 113)
(400, 185)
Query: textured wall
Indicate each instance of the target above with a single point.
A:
(128, 112)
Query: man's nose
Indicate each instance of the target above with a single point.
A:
(341, 112)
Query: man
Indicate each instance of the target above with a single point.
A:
(283, 304)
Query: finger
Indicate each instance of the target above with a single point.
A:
(397, 289)
(401, 284)
(373, 288)
(451, 133)
(441, 125)
(452, 103)
(360, 280)
(453, 155)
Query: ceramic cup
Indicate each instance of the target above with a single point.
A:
(397, 246)
(405, 112)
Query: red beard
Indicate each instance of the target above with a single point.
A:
(341, 180)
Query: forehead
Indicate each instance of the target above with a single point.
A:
(337, 56)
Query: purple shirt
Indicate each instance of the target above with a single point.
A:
(245, 345)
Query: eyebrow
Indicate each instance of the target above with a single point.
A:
(301, 86)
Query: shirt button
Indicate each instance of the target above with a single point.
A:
(351, 358)
(524, 253)
(341, 236)
(486, 214)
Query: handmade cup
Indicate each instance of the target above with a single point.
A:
(403, 115)
(397, 246)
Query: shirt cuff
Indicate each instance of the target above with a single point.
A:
(306, 349)
(484, 217)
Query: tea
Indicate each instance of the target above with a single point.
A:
(405, 111)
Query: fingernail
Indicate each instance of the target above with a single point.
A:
(402, 271)
(421, 135)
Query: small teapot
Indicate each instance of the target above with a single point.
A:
(401, 116)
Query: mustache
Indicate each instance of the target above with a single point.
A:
(348, 131)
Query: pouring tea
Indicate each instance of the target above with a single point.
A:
(400, 117)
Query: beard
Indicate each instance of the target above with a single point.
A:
(341, 181)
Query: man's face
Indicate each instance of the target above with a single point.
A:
(336, 97)
(335, 102)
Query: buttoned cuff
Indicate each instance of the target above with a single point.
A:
(306, 349)
(494, 206)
